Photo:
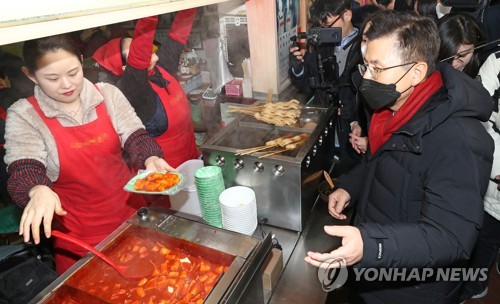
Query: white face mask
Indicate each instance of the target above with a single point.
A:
(363, 50)
(442, 10)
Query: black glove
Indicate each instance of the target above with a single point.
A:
(296, 64)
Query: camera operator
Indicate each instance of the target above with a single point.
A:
(331, 85)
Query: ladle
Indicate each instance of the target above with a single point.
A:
(133, 271)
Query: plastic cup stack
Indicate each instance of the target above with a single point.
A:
(239, 209)
(210, 184)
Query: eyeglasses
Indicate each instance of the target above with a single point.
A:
(334, 21)
(374, 70)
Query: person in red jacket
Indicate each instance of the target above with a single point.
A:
(147, 80)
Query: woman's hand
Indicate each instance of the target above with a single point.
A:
(43, 203)
(154, 163)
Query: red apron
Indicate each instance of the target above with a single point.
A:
(178, 143)
(90, 184)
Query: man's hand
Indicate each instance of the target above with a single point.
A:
(337, 202)
(351, 250)
(42, 205)
(296, 59)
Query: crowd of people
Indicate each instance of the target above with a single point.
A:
(415, 84)
(425, 108)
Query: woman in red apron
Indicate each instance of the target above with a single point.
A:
(155, 94)
(64, 151)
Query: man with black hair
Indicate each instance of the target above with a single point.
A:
(419, 196)
(338, 61)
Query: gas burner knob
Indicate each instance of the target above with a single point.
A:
(279, 170)
(320, 140)
(258, 167)
(325, 132)
(220, 160)
(142, 213)
(238, 164)
(308, 161)
(315, 150)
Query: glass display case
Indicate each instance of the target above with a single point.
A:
(23, 20)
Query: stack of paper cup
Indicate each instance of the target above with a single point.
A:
(210, 184)
(239, 209)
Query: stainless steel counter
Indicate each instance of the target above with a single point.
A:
(299, 281)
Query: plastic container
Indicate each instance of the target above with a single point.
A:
(187, 200)
(233, 88)
(247, 87)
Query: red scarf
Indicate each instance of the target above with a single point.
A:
(384, 123)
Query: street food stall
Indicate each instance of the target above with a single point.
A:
(284, 179)
(194, 261)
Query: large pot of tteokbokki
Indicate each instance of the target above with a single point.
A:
(191, 263)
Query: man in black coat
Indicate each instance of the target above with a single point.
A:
(419, 195)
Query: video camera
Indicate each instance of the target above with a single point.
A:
(318, 36)
(327, 78)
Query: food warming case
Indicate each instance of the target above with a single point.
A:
(285, 184)
(192, 263)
